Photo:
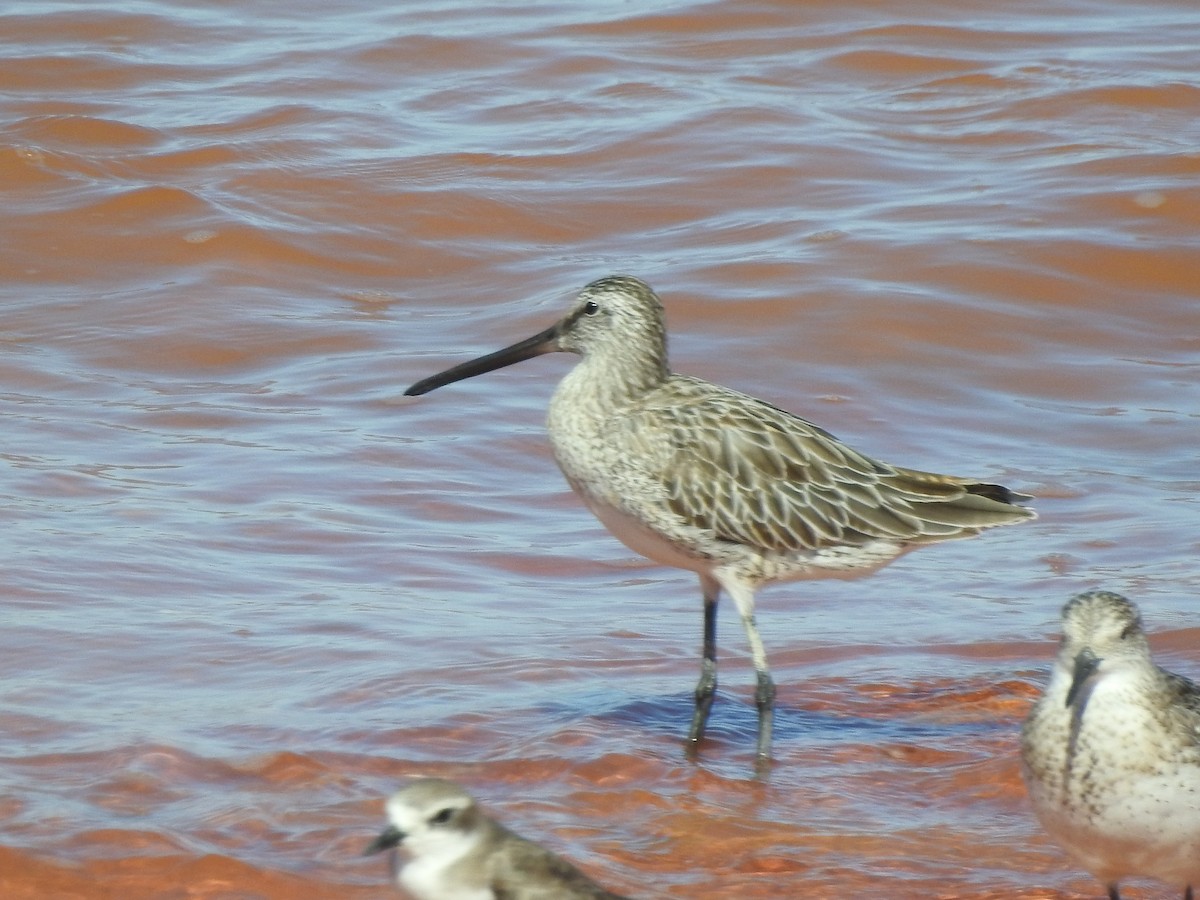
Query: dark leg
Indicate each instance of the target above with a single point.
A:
(742, 593)
(764, 699)
(1113, 893)
(1187, 895)
(707, 686)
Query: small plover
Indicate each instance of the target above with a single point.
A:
(693, 475)
(1111, 751)
(456, 852)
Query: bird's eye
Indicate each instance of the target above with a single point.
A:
(591, 308)
(442, 817)
(1129, 629)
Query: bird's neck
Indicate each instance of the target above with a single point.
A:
(428, 873)
(606, 382)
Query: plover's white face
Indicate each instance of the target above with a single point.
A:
(436, 817)
(1102, 637)
(436, 823)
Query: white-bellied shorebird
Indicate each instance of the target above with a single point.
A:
(456, 852)
(694, 475)
(1111, 751)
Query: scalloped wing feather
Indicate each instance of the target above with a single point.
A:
(754, 474)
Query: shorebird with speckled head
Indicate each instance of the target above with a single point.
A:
(1111, 751)
(456, 852)
(694, 475)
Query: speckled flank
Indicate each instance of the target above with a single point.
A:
(1111, 751)
(698, 476)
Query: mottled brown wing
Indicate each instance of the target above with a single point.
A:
(530, 872)
(754, 474)
(1185, 697)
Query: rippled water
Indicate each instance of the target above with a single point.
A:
(248, 588)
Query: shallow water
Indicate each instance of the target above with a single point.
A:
(248, 588)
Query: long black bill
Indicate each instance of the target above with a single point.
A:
(391, 837)
(1086, 664)
(543, 342)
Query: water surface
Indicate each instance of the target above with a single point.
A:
(248, 588)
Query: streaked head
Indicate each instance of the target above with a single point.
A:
(619, 317)
(618, 311)
(1102, 633)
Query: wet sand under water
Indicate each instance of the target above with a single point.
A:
(247, 588)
